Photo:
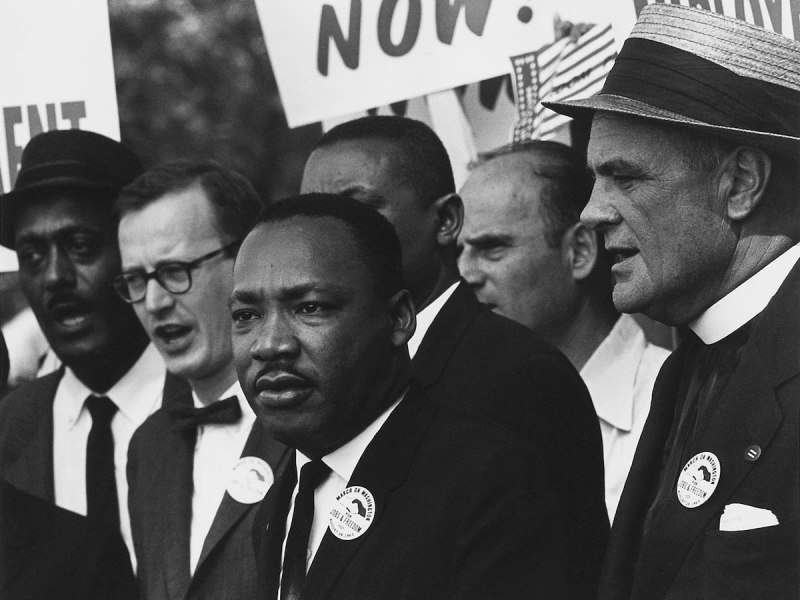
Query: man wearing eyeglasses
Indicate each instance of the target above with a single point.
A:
(64, 437)
(197, 472)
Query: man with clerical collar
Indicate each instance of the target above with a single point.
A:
(64, 437)
(466, 357)
(695, 146)
(394, 500)
(197, 471)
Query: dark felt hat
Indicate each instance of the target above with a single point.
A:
(69, 160)
(702, 70)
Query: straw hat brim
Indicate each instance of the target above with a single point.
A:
(585, 109)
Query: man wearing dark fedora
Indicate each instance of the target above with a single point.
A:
(64, 437)
(695, 146)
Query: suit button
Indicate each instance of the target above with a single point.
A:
(752, 453)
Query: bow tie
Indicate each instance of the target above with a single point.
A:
(222, 412)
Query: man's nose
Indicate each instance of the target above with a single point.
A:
(276, 338)
(60, 270)
(599, 212)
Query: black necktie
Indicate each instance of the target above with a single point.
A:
(222, 412)
(101, 483)
(294, 559)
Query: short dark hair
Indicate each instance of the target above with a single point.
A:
(423, 157)
(235, 200)
(569, 183)
(374, 235)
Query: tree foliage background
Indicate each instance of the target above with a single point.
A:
(194, 81)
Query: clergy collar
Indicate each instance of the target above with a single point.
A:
(426, 316)
(343, 460)
(130, 393)
(747, 300)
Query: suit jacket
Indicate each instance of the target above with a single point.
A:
(47, 552)
(474, 360)
(452, 519)
(160, 475)
(685, 554)
(26, 432)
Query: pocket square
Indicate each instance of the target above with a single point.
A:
(741, 517)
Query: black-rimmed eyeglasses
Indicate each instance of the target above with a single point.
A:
(174, 276)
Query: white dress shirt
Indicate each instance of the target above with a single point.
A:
(620, 375)
(746, 301)
(426, 316)
(218, 449)
(137, 395)
(342, 462)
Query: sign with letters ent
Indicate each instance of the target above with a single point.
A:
(56, 72)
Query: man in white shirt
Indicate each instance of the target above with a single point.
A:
(695, 146)
(64, 437)
(467, 357)
(394, 500)
(526, 254)
(197, 471)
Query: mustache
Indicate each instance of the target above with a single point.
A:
(68, 300)
(279, 367)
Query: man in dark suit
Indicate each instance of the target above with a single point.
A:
(197, 471)
(64, 437)
(394, 500)
(696, 195)
(467, 357)
(47, 552)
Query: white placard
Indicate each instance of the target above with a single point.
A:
(335, 57)
(56, 72)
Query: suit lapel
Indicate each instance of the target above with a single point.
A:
(443, 335)
(171, 519)
(230, 511)
(33, 469)
(383, 467)
(747, 413)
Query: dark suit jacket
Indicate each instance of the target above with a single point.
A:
(685, 554)
(452, 519)
(160, 476)
(49, 553)
(474, 360)
(26, 432)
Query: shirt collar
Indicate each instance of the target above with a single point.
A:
(343, 460)
(426, 316)
(610, 373)
(747, 300)
(144, 380)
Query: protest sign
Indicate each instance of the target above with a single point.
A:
(56, 72)
(336, 57)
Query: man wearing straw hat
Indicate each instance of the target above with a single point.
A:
(695, 146)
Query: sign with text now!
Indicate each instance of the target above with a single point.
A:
(334, 57)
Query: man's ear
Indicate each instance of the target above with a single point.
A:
(404, 317)
(449, 218)
(580, 247)
(743, 180)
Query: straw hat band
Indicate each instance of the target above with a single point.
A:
(681, 82)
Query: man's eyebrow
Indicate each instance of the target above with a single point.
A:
(487, 239)
(611, 166)
(243, 296)
(58, 235)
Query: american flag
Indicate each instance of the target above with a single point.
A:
(560, 71)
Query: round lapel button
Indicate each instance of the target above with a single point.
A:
(752, 453)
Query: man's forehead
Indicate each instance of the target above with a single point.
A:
(46, 216)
